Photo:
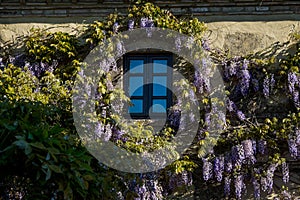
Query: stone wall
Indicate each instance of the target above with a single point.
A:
(71, 8)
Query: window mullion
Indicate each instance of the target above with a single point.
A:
(148, 90)
(169, 81)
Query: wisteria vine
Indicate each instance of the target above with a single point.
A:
(251, 148)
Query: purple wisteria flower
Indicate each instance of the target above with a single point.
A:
(108, 132)
(189, 42)
(221, 121)
(143, 22)
(174, 117)
(266, 87)
(248, 150)
(228, 163)
(239, 185)
(109, 85)
(272, 82)
(293, 85)
(149, 188)
(116, 27)
(147, 23)
(120, 51)
(262, 146)
(178, 180)
(231, 107)
(240, 115)
(244, 81)
(205, 44)
(285, 172)
(207, 169)
(207, 119)
(230, 69)
(293, 148)
(263, 183)
(245, 64)
(238, 155)
(254, 146)
(141, 190)
(118, 134)
(270, 174)
(205, 72)
(192, 96)
(37, 69)
(183, 121)
(11, 59)
(130, 24)
(247, 144)
(292, 81)
(99, 131)
(255, 84)
(18, 60)
(286, 195)
(187, 178)
(219, 168)
(297, 133)
(173, 180)
(227, 183)
(256, 187)
(192, 117)
(2, 66)
(296, 98)
(201, 81)
(178, 44)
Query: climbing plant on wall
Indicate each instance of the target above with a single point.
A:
(41, 150)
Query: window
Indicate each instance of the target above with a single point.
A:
(148, 83)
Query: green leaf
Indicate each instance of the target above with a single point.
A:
(28, 149)
(38, 145)
(88, 177)
(53, 151)
(9, 127)
(19, 137)
(55, 168)
(30, 136)
(22, 144)
(47, 156)
(48, 174)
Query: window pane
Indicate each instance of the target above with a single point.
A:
(136, 86)
(136, 66)
(159, 105)
(159, 86)
(160, 66)
(137, 106)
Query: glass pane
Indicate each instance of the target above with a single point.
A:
(159, 86)
(136, 86)
(136, 66)
(137, 106)
(160, 66)
(159, 105)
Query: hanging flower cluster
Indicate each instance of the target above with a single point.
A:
(232, 108)
(294, 85)
(242, 156)
(268, 85)
(238, 68)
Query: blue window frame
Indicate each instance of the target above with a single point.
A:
(148, 83)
